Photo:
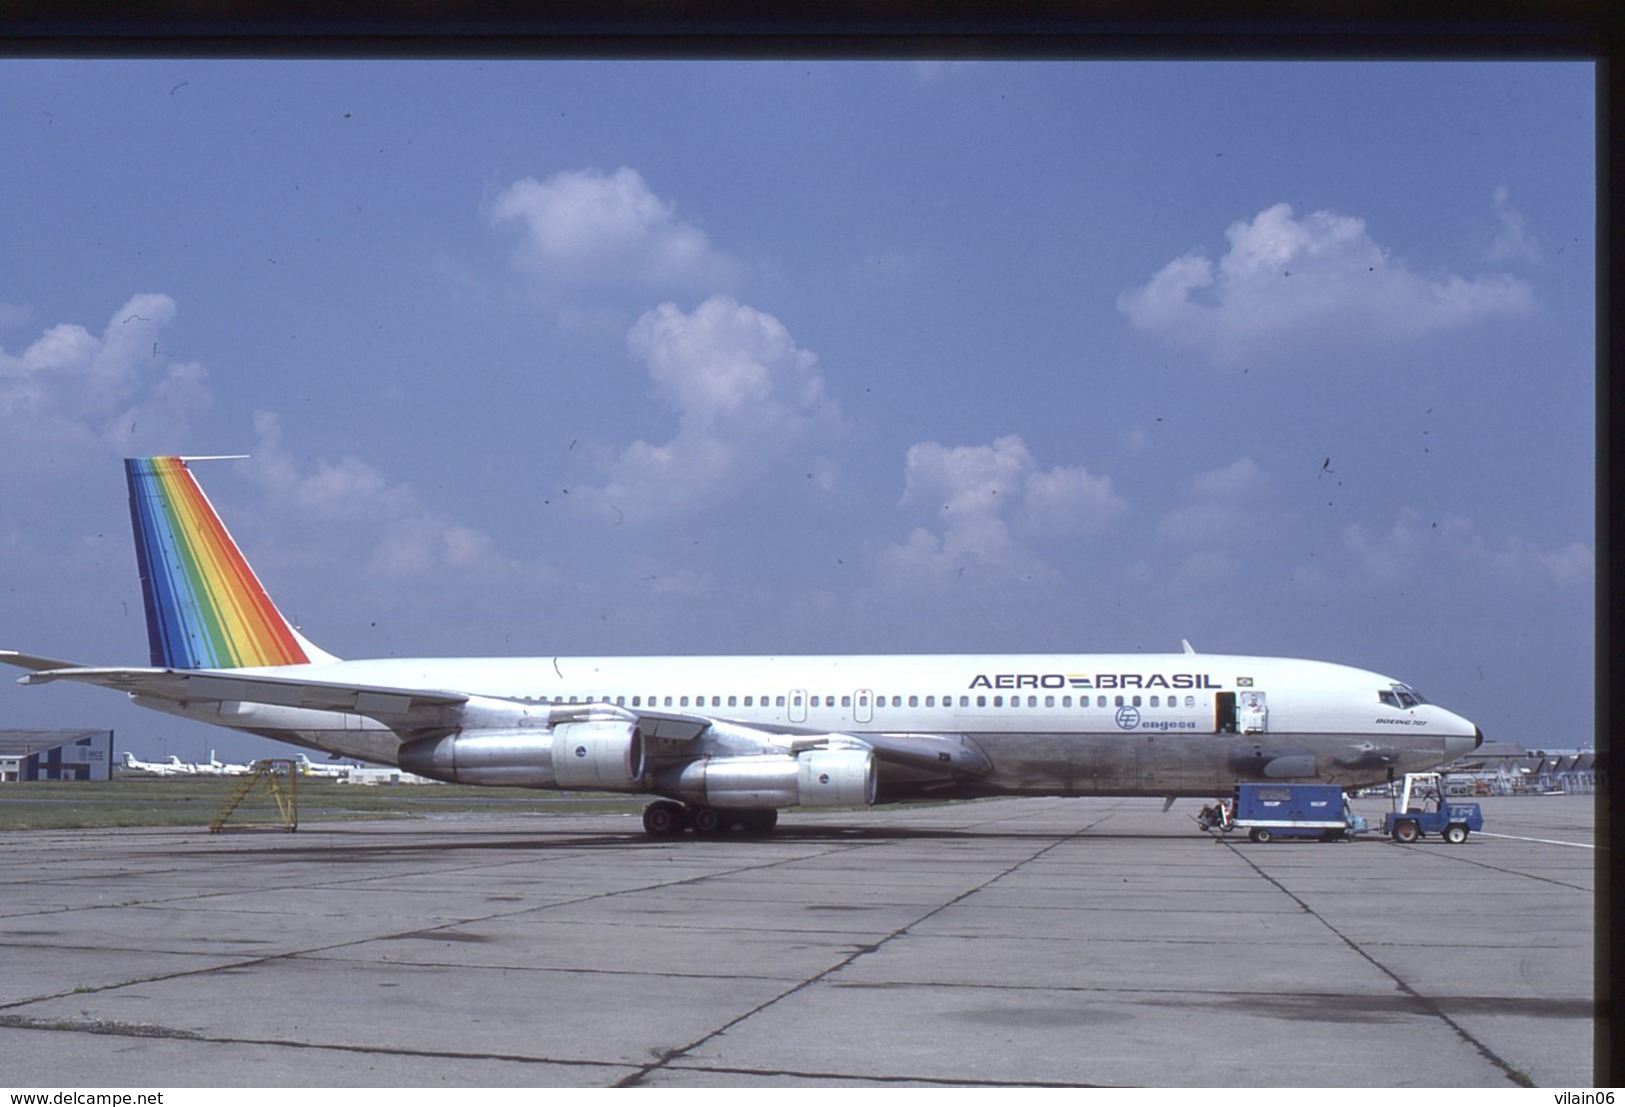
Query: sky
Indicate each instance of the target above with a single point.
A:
(596, 357)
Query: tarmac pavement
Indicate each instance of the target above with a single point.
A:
(1007, 942)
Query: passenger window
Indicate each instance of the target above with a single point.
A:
(1100, 701)
(1190, 701)
(780, 702)
(1155, 701)
(914, 701)
(1032, 701)
(981, 701)
(930, 701)
(846, 701)
(733, 701)
(1119, 701)
(1136, 701)
(749, 700)
(1049, 701)
(683, 701)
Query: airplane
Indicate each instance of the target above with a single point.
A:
(723, 742)
(171, 766)
(307, 767)
(216, 767)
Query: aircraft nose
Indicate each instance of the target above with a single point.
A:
(1460, 745)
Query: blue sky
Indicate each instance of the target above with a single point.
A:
(682, 357)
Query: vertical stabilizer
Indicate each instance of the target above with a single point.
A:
(205, 607)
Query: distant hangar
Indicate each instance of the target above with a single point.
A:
(55, 755)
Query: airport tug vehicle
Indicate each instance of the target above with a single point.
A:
(1423, 808)
(1269, 811)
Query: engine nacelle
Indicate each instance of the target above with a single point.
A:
(606, 754)
(819, 778)
(519, 758)
(597, 753)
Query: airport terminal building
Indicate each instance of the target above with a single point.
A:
(55, 755)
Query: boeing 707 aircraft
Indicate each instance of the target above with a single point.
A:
(729, 741)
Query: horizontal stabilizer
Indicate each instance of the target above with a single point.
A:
(34, 661)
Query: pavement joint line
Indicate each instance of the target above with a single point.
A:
(1541, 1011)
(668, 1056)
(315, 951)
(143, 1030)
(858, 1077)
(1513, 1075)
(1449, 853)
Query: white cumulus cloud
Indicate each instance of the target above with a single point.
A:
(588, 227)
(1513, 240)
(1292, 283)
(1225, 505)
(1411, 544)
(990, 503)
(349, 509)
(121, 390)
(746, 398)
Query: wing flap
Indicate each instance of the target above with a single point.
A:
(950, 755)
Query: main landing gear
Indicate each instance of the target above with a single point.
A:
(668, 818)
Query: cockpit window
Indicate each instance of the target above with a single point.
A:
(1401, 696)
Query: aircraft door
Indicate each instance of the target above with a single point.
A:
(863, 705)
(1252, 714)
(798, 705)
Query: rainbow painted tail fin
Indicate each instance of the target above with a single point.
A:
(205, 607)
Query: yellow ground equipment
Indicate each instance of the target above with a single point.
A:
(280, 779)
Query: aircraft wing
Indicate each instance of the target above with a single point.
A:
(914, 758)
(409, 708)
(919, 759)
(933, 754)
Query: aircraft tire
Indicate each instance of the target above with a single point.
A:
(1455, 834)
(760, 820)
(708, 821)
(663, 818)
(1406, 831)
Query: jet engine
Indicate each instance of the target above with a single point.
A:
(818, 778)
(596, 753)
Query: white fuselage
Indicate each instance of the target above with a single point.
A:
(1068, 724)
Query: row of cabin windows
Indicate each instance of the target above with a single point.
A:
(879, 701)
